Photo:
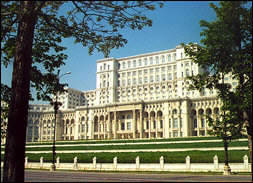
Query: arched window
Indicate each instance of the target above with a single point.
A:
(174, 111)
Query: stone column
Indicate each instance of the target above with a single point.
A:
(69, 130)
(157, 126)
(166, 121)
(104, 128)
(115, 125)
(134, 124)
(76, 126)
(33, 125)
(99, 128)
(51, 130)
(149, 129)
(64, 129)
(141, 124)
(109, 126)
(198, 123)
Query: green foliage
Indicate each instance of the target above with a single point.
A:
(226, 49)
(5, 101)
(94, 24)
(140, 146)
(123, 141)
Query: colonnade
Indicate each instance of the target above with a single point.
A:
(132, 121)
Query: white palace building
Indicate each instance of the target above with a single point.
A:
(142, 96)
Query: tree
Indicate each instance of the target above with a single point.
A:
(227, 50)
(29, 29)
(5, 100)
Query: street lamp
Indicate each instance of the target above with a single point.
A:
(56, 107)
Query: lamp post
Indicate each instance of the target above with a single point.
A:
(56, 107)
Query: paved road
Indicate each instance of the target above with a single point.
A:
(64, 176)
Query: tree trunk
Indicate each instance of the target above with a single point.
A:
(226, 151)
(248, 121)
(18, 111)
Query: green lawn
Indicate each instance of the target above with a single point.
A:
(143, 146)
(145, 157)
(123, 141)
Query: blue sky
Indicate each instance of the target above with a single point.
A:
(177, 22)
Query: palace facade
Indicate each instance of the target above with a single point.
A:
(142, 96)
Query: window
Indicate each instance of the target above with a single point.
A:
(161, 123)
(163, 59)
(169, 58)
(169, 76)
(134, 81)
(163, 69)
(202, 122)
(187, 72)
(163, 77)
(101, 68)
(157, 78)
(195, 123)
(129, 116)
(145, 61)
(128, 125)
(145, 79)
(129, 74)
(157, 59)
(123, 82)
(175, 134)
(151, 79)
(140, 80)
(175, 123)
(122, 126)
(108, 67)
(134, 63)
(151, 60)
(129, 82)
(175, 75)
(147, 124)
(104, 66)
(151, 71)
(145, 71)
(174, 57)
(154, 124)
(124, 65)
(128, 64)
(157, 69)
(139, 62)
